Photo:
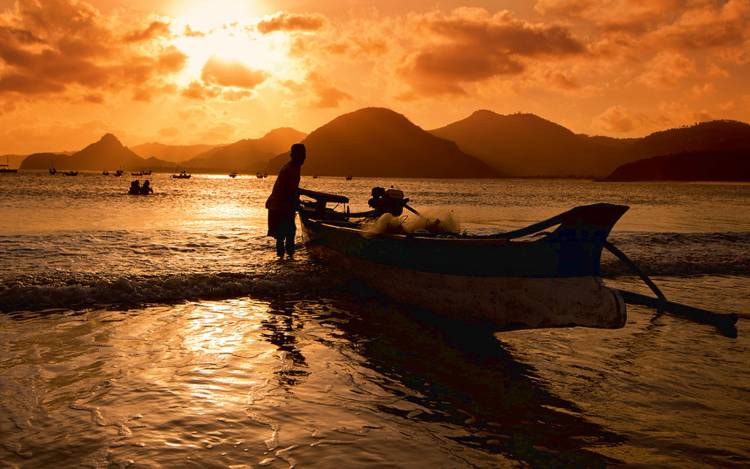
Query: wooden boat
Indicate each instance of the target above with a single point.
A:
(118, 173)
(511, 280)
(232, 175)
(183, 175)
(70, 173)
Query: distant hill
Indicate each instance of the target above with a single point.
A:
(705, 136)
(381, 142)
(527, 145)
(108, 153)
(171, 153)
(248, 155)
(713, 165)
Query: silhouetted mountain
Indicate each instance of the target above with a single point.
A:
(705, 136)
(527, 145)
(380, 142)
(249, 155)
(714, 165)
(171, 153)
(107, 153)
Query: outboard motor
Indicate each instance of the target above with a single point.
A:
(387, 201)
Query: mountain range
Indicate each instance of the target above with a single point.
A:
(713, 165)
(526, 145)
(248, 155)
(171, 153)
(107, 153)
(381, 142)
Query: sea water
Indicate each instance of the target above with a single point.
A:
(161, 331)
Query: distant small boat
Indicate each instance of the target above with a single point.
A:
(118, 173)
(4, 169)
(70, 173)
(232, 175)
(183, 175)
(315, 176)
(260, 175)
(52, 171)
(348, 178)
(105, 173)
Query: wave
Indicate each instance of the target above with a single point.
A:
(53, 287)
(76, 292)
(682, 254)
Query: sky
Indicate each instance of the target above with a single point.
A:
(191, 71)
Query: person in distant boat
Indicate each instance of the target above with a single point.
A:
(135, 187)
(283, 202)
(146, 188)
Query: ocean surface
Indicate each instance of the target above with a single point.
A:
(161, 331)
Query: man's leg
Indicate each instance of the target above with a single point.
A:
(280, 246)
(291, 234)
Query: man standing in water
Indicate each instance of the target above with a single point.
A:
(283, 201)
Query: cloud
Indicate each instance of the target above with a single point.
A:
(676, 24)
(717, 24)
(291, 22)
(56, 46)
(619, 119)
(231, 73)
(154, 30)
(666, 69)
(317, 91)
(196, 90)
(472, 45)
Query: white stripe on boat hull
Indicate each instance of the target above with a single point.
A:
(508, 302)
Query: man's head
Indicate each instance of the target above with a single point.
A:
(298, 153)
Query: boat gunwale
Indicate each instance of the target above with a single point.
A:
(403, 237)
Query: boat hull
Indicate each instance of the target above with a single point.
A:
(505, 302)
(513, 280)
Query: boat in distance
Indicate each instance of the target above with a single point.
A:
(527, 278)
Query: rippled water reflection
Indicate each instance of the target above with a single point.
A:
(290, 365)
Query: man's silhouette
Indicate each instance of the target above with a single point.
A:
(283, 201)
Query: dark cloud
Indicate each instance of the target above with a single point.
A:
(48, 47)
(680, 24)
(291, 22)
(470, 45)
(229, 73)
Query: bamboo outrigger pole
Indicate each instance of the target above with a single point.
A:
(724, 322)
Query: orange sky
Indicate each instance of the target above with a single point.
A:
(191, 71)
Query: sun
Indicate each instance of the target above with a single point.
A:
(225, 29)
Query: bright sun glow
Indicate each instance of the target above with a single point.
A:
(225, 29)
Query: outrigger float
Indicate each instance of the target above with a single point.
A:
(522, 279)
